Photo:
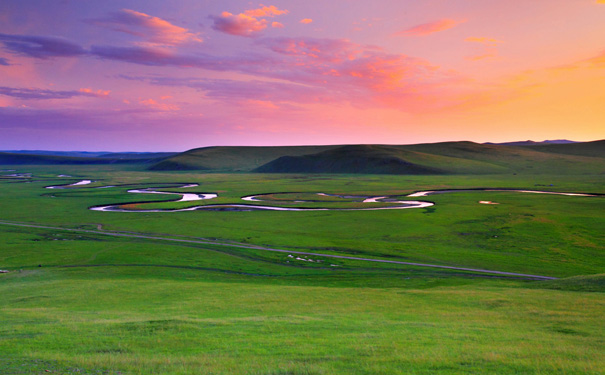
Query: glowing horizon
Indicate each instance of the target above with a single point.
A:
(151, 76)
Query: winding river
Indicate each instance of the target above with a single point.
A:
(391, 202)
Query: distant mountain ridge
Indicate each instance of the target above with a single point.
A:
(79, 157)
(532, 143)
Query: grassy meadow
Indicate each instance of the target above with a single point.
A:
(85, 303)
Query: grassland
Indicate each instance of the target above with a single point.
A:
(91, 304)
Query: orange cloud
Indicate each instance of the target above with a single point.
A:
(95, 93)
(600, 1)
(155, 30)
(482, 56)
(164, 107)
(344, 71)
(483, 40)
(429, 28)
(306, 20)
(248, 23)
(277, 24)
(265, 11)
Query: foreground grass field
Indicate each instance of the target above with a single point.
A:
(93, 304)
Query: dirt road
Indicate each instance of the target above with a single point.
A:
(244, 246)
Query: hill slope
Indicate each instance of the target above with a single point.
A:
(594, 148)
(377, 159)
(429, 158)
(231, 158)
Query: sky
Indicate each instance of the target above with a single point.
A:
(150, 75)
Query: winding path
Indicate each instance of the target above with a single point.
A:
(262, 248)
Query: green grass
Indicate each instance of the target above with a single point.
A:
(183, 325)
(84, 303)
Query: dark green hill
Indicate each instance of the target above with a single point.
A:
(348, 159)
(232, 158)
(377, 159)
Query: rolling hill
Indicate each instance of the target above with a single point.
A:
(594, 148)
(231, 158)
(429, 158)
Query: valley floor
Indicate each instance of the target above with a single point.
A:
(209, 299)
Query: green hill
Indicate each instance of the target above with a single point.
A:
(517, 159)
(430, 158)
(232, 158)
(595, 148)
(348, 159)
(376, 159)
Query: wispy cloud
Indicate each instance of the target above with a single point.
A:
(152, 29)
(327, 70)
(488, 48)
(311, 69)
(158, 57)
(41, 47)
(249, 23)
(232, 90)
(4, 61)
(306, 20)
(482, 56)
(96, 93)
(595, 62)
(42, 94)
(159, 105)
(430, 27)
(483, 40)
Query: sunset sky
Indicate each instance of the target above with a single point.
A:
(149, 75)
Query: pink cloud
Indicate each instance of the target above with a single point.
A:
(311, 70)
(265, 11)
(429, 28)
(153, 29)
(164, 107)
(277, 24)
(248, 23)
(306, 20)
(91, 92)
(321, 71)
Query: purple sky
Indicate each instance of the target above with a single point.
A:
(170, 76)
